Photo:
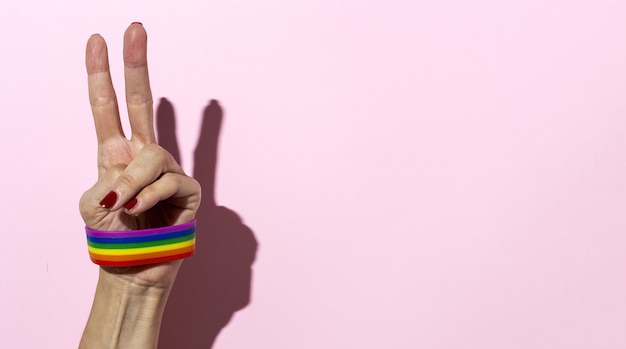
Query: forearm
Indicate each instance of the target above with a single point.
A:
(124, 314)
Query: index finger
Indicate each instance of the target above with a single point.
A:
(101, 93)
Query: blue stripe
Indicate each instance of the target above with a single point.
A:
(116, 240)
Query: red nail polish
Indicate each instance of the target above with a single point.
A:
(129, 205)
(137, 23)
(109, 200)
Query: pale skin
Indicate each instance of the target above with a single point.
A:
(150, 190)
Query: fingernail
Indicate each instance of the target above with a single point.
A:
(137, 23)
(129, 205)
(109, 200)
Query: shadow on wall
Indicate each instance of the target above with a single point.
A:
(216, 282)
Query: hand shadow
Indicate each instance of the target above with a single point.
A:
(216, 282)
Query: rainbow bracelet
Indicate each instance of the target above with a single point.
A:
(139, 247)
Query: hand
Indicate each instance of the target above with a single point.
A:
(139, 185)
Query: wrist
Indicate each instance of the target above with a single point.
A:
(131, 286)
(141, 279)
(127, 311)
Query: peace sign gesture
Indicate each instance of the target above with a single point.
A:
(139, 185)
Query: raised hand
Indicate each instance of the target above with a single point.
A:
(140, 185)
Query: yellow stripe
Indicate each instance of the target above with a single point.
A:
(140, 250)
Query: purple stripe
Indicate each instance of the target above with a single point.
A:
(142, 232)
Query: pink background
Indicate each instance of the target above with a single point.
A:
(411, 174)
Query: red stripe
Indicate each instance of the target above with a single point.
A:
(135, 262)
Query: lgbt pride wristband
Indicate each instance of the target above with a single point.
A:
(139, 247)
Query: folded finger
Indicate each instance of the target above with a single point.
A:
(179, 190)
(101, 93)
(138, 94)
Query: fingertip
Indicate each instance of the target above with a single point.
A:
(135, 43)
(135, 28)
(109, 200)
(96, 59)
(135, 31)
(131, 204)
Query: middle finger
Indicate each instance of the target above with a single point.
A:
(138, 94)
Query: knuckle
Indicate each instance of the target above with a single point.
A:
(170, 183)
(171, 178)
(138, 98)
(149, 194)
(196, 184)
(155, 153)
(128, 179)
(102, 100)
(115, 171)
(83, 203)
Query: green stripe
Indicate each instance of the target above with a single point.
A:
(142, 244)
